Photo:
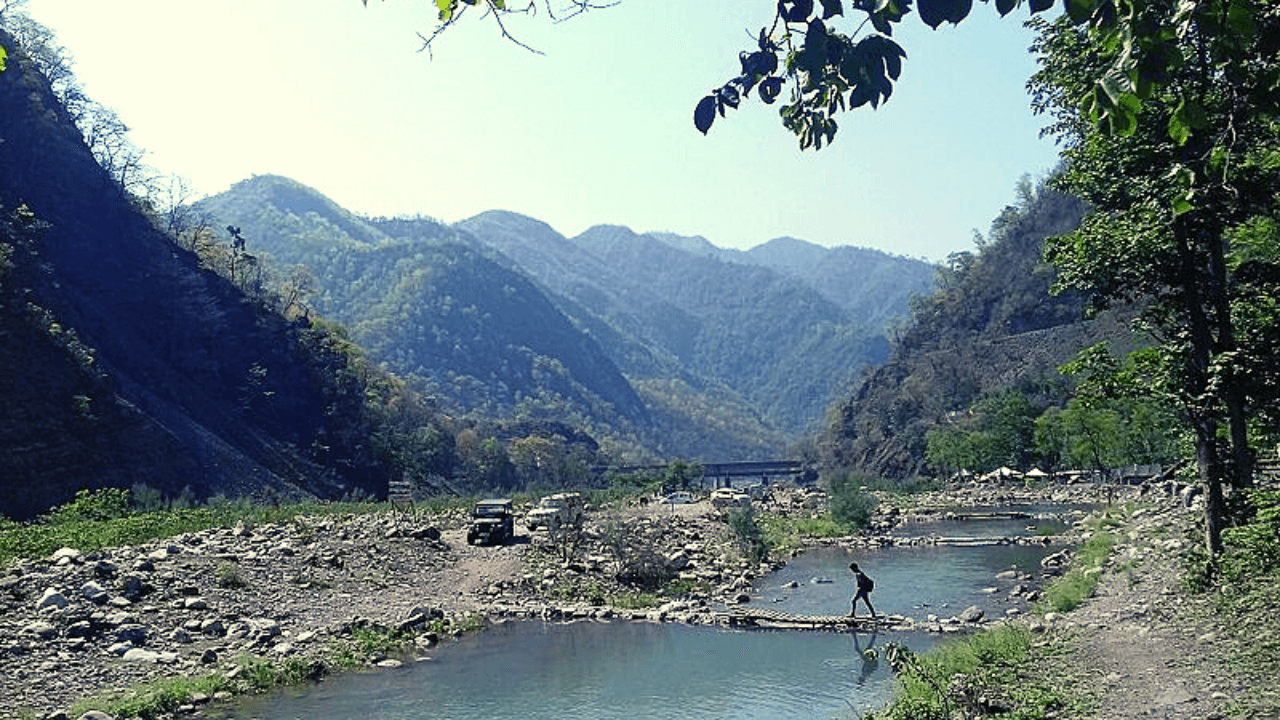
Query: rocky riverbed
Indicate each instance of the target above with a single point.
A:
(74, 625)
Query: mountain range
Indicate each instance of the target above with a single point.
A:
(682, 348)
(308, 351)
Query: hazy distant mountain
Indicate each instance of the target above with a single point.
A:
(873, 286)
(772, 338)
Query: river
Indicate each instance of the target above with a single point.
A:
(601, 670)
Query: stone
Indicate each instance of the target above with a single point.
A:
(93, 592)
(133, 633)
(150, 656)
(66, 556)
(42, 630)
(52, 599)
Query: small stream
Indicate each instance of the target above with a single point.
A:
(601, 670)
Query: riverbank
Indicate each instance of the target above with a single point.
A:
(1151, 641)
(78, 625)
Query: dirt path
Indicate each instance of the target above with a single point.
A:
(1140, 646)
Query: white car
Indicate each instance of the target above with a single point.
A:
(678, 498)
(726, 498)
(556, 511)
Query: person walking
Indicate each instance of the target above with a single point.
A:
(865, 586)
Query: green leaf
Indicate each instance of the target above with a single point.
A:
(832, 8)
(1240, 19)
(1004, 7)
(1179, 128)
(1186, 118)
(705, 114)
(1039, 6)
(3, 54)
(446, 9)
(796, 10)
(936, 12)
(1081, 10)
(770, 87)
(932, 12)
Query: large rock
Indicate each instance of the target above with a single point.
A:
(52, 599)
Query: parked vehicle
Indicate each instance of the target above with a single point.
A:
(728, 498)
(677, 498)
(556, 511)
(492, 523)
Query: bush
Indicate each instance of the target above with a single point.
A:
(851, 505)
(1254, 548)
(742, 521)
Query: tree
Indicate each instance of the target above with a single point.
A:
(828, 71)
(1175, 194)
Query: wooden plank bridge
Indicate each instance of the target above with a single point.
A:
(760, 617)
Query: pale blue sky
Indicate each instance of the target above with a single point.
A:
(597, 130)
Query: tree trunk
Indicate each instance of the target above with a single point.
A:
(1199, 302)
(1209, 462)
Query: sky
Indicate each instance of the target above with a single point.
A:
(596, 129)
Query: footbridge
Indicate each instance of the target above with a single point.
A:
(758, 617)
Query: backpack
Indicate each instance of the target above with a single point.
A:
(865, 583)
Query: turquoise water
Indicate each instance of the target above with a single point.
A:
(604, 670)
(620, 670)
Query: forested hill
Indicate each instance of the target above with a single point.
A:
(429, 303)
(992, 326)
(668, 306)
(123, 361)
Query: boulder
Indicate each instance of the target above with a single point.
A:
(42, 630)
(52, 599)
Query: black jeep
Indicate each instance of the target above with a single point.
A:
(492, 523)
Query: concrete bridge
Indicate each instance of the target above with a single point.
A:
(736, 474)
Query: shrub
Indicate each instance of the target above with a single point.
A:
(227, 575)
(851, 505)
(742, 521)
(1254, 547)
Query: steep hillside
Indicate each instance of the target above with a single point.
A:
(124, 361)
(429, 304)
(993, 325)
